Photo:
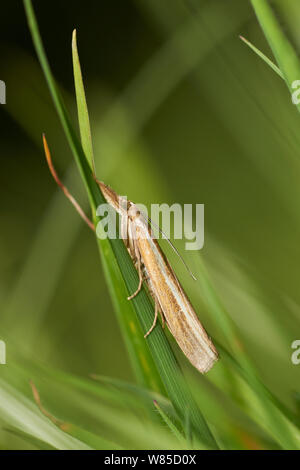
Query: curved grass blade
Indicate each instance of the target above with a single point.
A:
(121, 416)
(18, 411)
(133, 393)
(278, 425)
(263, 57)
(171, 425)
(29, 438)
(187, 429)
(83, 115)
(264, 408)
(91, 439)
(279, 422)
(141, 359)
(161, 351)
(286, 56)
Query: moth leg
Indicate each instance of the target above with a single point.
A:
(141, 277)
(163, 320)
(63, 187)
(154, 321)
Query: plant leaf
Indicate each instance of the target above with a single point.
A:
(161, 351)
(263, 57)
(286, 56)
(141, 359)
(170, 425)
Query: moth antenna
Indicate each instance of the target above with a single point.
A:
(63, 187)
(171, 244)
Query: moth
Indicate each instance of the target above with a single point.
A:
(153, 268)
(168, 295)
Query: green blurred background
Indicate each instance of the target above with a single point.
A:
(181, 111)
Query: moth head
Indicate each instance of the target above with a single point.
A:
(133, 211)
(119, 203)
(110, 195)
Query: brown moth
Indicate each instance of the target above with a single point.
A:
(169, 297)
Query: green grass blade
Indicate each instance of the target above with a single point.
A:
(83, 115)
(94, 194)
(263, 407)
(89, 438)
(277, 426)
(121, 415)
(286, 57)
(141, 359)
(161, 351)
(165, 360)
(171, 425)
(187, 429)
(263, 57)
(280, 425)
(133, 393)
(29, 438)
(18, 411)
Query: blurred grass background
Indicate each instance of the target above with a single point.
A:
(181, 111)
